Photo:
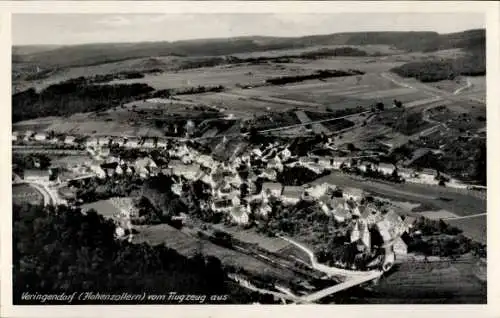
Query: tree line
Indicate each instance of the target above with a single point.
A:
(60, 249)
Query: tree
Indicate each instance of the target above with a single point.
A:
(380, 106)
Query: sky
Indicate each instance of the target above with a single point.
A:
(69, 29)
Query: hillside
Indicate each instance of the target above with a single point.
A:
(91, 54)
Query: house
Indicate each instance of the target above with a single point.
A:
(275, 163)
(269, 174)
(132, 143)
(162, 144)
(386, 168)
(28, 134)
(33, 175)
(190, 172)
(406, 173)
(221, 205)
(272, 189)
(110, 168)
(319, 190)
(98, 171)
(149, 143)
(205, 161)
(14, 136)
(428, 176)
(285, 154)
(40, 137)
(340, 212)
(339, 162)
(371, 214)
(104, 141)
(291, 195)
(365, 166)
(352, 193)
(91, 142)
(69, 140)
(239, 214)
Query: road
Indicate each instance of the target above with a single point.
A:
(430, 90)
(317, 128)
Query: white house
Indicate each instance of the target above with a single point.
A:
(386, 168)
(270, 174)
(40, 137)
(14, 136)
(132, 143)
(149, 143)
(28, 135)
(91, 142)
(69, 140)
(162, 144)
(291, 195)
(406, 173)
(428, 176)
(319, 190)
(337, 162)
(239, 214)
(275, 163)
(104, 141)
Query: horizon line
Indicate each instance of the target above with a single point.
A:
(238, 37)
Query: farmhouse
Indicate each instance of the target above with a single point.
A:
(406, 173)
(292, 194)
(132, 143)
(428, 176)
(28, 134)
(69, 140)
(40, 137)
(162, 144)
(386, 168)
(104, 141)
(148, 143)
(91, 142)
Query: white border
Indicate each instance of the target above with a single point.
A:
(490, 8)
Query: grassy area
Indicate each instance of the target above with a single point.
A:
(24, 193)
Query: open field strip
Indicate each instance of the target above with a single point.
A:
(386, 93)
(438, 215)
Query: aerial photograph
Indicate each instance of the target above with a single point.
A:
(258, 158)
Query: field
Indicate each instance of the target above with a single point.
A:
(475, 228)
(271, 244)
(228, 76)
(416, 282)
(296, 254)
(104, 207)
(24, 193)
(188, 245)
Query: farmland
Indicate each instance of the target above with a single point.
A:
(24, 193)
(187, 245)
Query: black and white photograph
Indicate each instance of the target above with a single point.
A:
(249, 158)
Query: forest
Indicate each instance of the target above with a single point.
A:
(59, 249)
(321, 74)
(445, 69)
(73, 96)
